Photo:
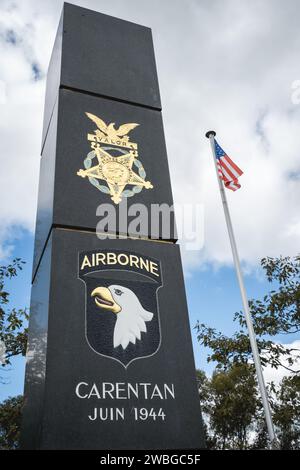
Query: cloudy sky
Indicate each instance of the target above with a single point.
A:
(229, 65)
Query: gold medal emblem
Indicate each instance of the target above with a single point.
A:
(115, 170)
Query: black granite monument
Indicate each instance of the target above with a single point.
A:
(109, 362)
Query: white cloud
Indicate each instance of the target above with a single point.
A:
(276, 375)
(222, 65)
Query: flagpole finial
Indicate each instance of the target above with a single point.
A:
(210, 133)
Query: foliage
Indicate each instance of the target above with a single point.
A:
(287, 413)
(230, 400)
(13, 336)
(10, 422)
(13, 322)
(277, 313)
(233, 414)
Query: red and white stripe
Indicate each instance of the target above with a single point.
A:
(229, 172)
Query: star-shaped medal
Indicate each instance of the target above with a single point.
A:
(117, 172)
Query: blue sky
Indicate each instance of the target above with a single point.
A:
(231, 66)
(20, 288)
(213, 296)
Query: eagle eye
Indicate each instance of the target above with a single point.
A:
(118, 291)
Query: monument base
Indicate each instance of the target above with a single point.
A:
(111, 316)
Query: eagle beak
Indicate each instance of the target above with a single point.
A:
(105, 300)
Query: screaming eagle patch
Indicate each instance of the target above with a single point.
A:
(122, 315)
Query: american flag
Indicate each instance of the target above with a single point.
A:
(229, 172)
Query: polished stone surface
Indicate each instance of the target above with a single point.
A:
(34, 391)
(44, 214)
(110, 361)
(66, 199)
(64, 421)
(103, 55)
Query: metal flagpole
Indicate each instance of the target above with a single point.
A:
(211, 136)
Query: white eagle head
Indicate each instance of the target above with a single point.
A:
(131, 316)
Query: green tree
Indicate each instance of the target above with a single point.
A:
(277, 313)
(13, 322)
(261, 439)
(10, 422)
(13, 341)
(231, 412)
(230, 406)
(287, 413)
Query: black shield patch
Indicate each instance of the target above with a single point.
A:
(122, 314)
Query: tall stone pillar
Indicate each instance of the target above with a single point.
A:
(110, 362)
